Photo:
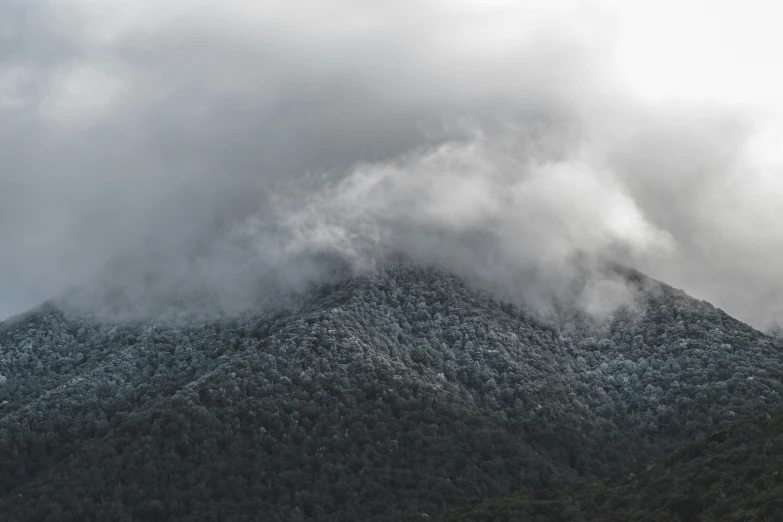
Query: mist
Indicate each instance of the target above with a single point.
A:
(219, 155)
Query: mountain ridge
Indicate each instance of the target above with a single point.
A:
(409, 389)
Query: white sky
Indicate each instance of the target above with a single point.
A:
(726, 52)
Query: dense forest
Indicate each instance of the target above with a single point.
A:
(735, 474)
(394, 396)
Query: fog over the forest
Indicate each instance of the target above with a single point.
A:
(191, 147)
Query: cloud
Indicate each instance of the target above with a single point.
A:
(189, 151)
(496, 204)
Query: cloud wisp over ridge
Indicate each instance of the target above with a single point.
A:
(193, 148)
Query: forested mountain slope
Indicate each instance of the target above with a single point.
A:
(395, 395)
(735, 474)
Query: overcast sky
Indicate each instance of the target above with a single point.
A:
(205, 142)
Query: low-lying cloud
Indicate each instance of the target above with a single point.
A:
(201, 153)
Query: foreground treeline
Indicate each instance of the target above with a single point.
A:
(387, 397)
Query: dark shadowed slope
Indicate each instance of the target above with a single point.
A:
(387, 396)
(735, 474)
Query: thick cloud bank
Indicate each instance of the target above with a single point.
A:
(194, 151)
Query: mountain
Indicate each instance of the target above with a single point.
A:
(735, 474)
(389, 396)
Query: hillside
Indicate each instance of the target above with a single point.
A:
(403, 393)
(732, 475)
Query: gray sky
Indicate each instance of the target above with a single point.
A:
(188, 146)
